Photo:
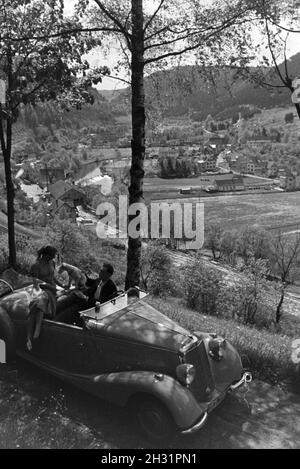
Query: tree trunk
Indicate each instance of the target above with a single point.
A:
(138, 137)
(279, 307)
(10, 192)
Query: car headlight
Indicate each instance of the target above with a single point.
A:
(216, 347)
(186, 373)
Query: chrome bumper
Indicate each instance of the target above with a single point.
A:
(197, 425)
(246, 378)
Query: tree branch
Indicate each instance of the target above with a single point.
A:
(154, 15)
(273, 55)
(215, 31)
(115, 21)
(289, 30)
(118, 78)
(62, 33)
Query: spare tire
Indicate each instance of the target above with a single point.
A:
(8, 338)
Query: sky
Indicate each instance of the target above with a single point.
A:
(97, 58)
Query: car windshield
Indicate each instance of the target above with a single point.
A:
(5, 288)
(111, 307)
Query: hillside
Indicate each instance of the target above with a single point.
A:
(190, 89)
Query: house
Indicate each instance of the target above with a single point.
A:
(207, 163)
(65, 196)
(218, 140)
(228, 184)
(272, 169)
(258, 141)
(62, 209)
(290, 181)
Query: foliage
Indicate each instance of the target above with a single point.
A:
(40, 63)
(157, 274)
(252, 242)
(201, 286)
(254, 296)
(289, 117)
(213, 238)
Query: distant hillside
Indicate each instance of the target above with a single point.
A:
(110, 94)
(189, 89)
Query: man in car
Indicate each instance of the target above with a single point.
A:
(105, 289)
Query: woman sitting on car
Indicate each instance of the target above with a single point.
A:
(43, 294)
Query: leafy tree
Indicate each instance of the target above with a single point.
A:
(277, 20)
(228, 246)
(201, 286)
(171, 29)
(39, 63)
(252, 242)
(252, 298)
(285, 261)
(213, 238)
(67, 238)
(156, 269)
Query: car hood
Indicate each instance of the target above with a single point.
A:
(141, 322)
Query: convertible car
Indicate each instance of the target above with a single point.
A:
(130, 354)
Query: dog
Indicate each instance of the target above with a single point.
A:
(76, 276)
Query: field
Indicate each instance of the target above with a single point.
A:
(275, 118)
(159, 185)
(268, 210)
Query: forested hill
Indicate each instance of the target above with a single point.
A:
(211, 91)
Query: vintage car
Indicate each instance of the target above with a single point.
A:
(130, 354)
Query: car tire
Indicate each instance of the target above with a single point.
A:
(8, 336)
(154, 419)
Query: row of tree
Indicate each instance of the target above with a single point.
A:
(280, 253)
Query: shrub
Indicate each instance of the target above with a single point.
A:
(289, 117)
(201, 286)
(156, 270)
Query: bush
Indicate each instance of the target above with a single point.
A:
(156, 270)
(201, 286)
(289, 117)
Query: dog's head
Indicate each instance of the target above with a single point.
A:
(61, 268)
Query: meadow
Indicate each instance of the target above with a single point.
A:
(268, 210)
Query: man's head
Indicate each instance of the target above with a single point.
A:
(106, 272)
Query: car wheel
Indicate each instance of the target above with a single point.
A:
(154, 419)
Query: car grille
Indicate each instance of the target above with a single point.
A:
(203, 384)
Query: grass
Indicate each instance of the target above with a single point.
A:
(28, 423)
(269, 353)
(268, 210)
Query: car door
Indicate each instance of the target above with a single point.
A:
(65, 346)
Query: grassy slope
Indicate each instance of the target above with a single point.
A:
(269, 354)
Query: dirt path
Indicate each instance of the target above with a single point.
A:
(38, 411)
(266, 417)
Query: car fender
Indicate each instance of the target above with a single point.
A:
(7, 337)
(179, 400)
(229, 369)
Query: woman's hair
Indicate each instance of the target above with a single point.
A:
(47, 252)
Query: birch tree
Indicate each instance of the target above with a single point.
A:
(152, 34)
